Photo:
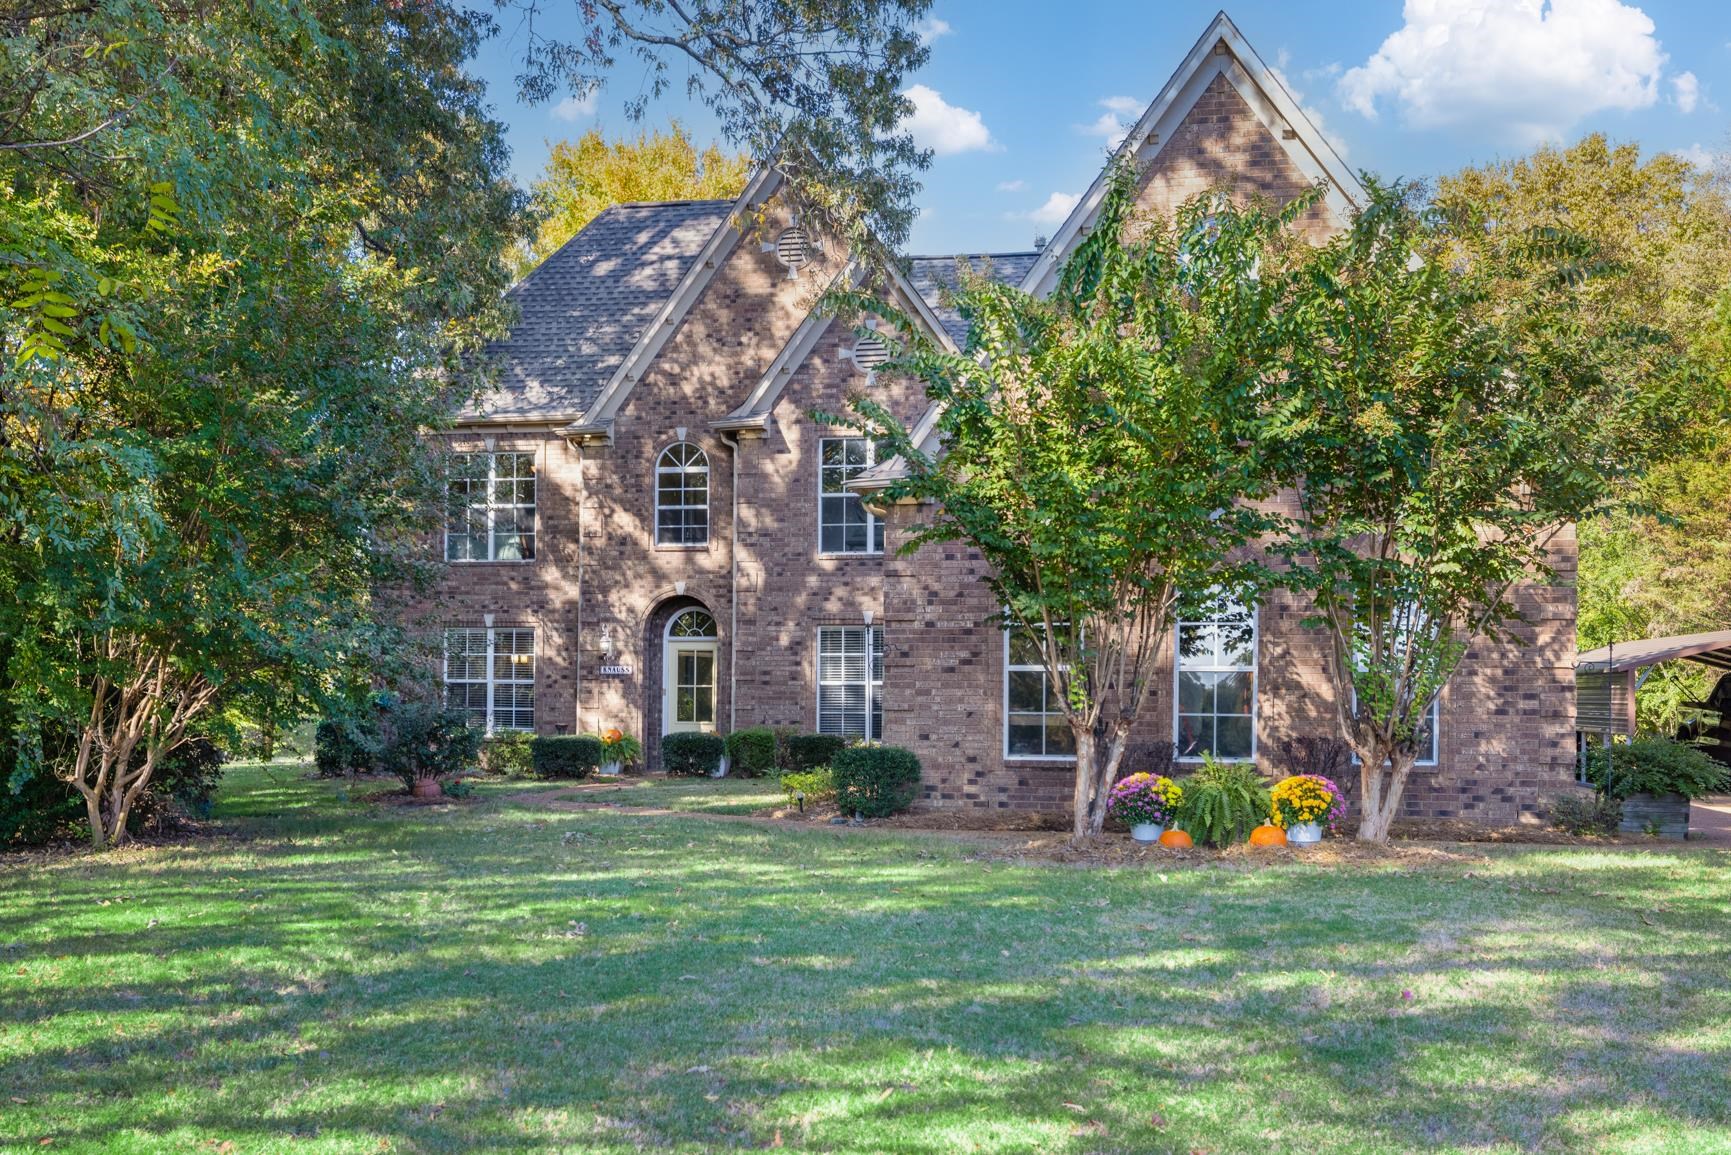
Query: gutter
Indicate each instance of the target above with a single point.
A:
(731, 438)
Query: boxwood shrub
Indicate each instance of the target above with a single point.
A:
(565, 756)
(809, 751)
(875, 781)
(751, 752)
(691, 753)
(507, 752)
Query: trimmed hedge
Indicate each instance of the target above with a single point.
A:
(564, 756)
(751, 752)
(809, 751)
(817, 785)
(507, 752)
(875, 781)
(691, 753)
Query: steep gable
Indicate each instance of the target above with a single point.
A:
(584, 308)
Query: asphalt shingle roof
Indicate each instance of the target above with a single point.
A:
(584, 307)
(932, 276)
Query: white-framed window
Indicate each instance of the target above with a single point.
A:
(490, 676)
(844, 524)
(850, 681)
(682, 495)
(490, 513)
(1214, 707)
(1427, 735)
(1034, 722)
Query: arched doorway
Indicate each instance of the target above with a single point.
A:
(690, 661)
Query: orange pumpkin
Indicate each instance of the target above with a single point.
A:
(1176, 839)
(612, 735)
(1267, 835)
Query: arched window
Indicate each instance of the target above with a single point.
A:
(682, 496)
(691, 624)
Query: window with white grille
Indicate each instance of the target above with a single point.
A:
(1034, 722)
(490, 511)
(850, 681)
(490, 676)
(845, 525)
(1216, 673)
(682, 496)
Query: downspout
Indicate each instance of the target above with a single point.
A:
(577, 656)
(732, 440)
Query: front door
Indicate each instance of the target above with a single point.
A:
(688, 667)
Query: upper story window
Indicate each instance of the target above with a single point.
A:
(845, 525)
(490, 676)
(491, 507)
(1034, 721)
(1216, 674)
(682, 496)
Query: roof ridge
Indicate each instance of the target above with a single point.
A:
(670, 204)
(953, 256)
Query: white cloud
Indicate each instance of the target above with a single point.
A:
(1012, 185)
(1054, 212)
(1686, 91)
(1114, 124)
(577, 107)
(1529, 68)
(931, 28)
(1697, 155)
(944, 128)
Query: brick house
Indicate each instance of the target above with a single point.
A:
(666, 539)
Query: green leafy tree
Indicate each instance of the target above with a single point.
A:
(1658, 560)
(815, 84)
(1451, 400)
(1097, 448)
(585, 176)
(245, 250)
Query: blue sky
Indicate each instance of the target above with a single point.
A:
(1021, 99)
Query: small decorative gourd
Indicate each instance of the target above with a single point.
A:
(1176, 839)
(1268, 835)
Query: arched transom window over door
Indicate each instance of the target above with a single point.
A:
(682, 496)
(689, 662)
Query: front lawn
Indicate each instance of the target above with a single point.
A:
(327, 975)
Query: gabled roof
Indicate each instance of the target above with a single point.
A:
(1221, 51)
(584, 308)
(1710, 649)
(933, 277)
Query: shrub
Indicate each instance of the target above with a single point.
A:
(1152, 758)
(1654, 766)
(817, 785)
(1587, 813)
(751, 751)
(507, 752)
(809, 751)
(875, 781)
(1223, 802)
(783, 752)
(691, 753)
(189, 775)
(36, 807)
(457, 788)
(1315, 755)
(428, 741)
(565, 756)
(343, 746)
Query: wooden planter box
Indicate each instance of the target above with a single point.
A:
(1666, 813)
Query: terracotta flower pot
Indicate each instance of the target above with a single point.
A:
(425, 788)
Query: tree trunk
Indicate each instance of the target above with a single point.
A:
(1096, 766)
(1382, 775)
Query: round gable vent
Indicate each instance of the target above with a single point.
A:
(793, 249)
(870, 351)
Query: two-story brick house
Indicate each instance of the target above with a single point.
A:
(667, 539)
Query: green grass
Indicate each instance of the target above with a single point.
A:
(326, 976)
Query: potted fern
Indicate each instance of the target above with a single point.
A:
(618, 750)
(1223, 802)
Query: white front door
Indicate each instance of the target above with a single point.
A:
(688, 664)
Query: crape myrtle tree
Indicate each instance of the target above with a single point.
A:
(1449, 402)
(814, 84)
(1098, 448)
(244, 249)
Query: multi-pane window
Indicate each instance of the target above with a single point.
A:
(1034, 722)
(1216, 672)
(490, 514)
(490, 676)
(845, 525)
(850, 681)
(682, 496)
